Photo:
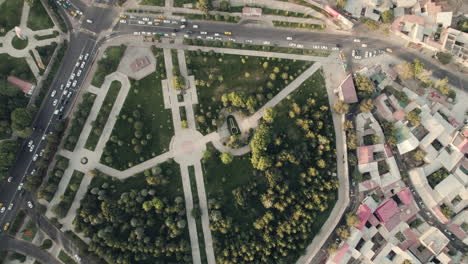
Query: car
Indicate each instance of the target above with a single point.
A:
(266, 42)
(157, 20)
(366, 54)
(20, 186)
(174, 22)
(300, 46)
(30, 204)
(136, 33)
(364, 45)
(149, 22)
(186, 36)
(86, 56)
(10, 179)
(195, 26)
(31, 148)
(53, 93)
(123, 16)
(199, 37)
(248, 41)
(167, 21)
(203, 32)
(183, 20)
(210, 38)
(5, 227)
(357, 40)
(30, 143)
(65, 92)
(61, 86)
(80, 57)
(182, 26)
(77, 64)
(69, 94)
(54, 103)
(74, 83)
(89, 21)
(353, 53)
(231, 39)
(123, 21)
(288, 38)
(72, 76)
(78, 73)
(83, 64)
(335, 48)
(10, 206)
(35, 157)
(145, 19)
(43, 137)
(73, 13)
(389, 50)
(79, 12)
(292, 45)
(56, 112)
(173, 34)
(228, 33)
(216, 34)
(61, 109)
(41, 153)
(219, 39)
(324, 47)
(3, 209)
(141, 22)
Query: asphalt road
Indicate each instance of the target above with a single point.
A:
(26, 248)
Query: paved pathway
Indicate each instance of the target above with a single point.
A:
(333, 77)
(25, 15)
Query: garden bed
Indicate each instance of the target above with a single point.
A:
(108, 64)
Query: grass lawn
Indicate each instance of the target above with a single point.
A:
(65, 258)
(18, 43)
(152, 135)
(38, 18)
(78, 121)
(103, 115)
(153, 2)
(15, 66)
(180, 3)
(29, 231)
(61, 209)
(46, 52)
(222, 179)
(108, 64)
(10, 15)
(217, 74)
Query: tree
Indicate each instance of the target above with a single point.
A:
(442, 85)
(419, 155)
(444, 57)
(332, 248)
(8, 151)
(341, 107)
(226, 157)
(178, 82)
(366, 105)
(340, 4)
(224, 5)
(405, 70)
(387, 16)
(352, 220)
(184, 124)
(407, 261)
(203, 6)
(364, 84)
(21, 118)
(342, 232)
(269, 115)
(418, 67)
(414, 118)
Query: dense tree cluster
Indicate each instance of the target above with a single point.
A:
(8, 151)
(47, 191)
(134, 225)
(295, 161)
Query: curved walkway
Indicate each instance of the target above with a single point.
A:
(29, 249)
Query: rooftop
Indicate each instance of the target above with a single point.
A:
(25, 86)
(348, 90)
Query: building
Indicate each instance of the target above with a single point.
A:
(347, 90)
(251, 11)
(456, 43)
(26, 87)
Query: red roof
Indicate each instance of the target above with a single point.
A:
(365, 154)
(251, 11)
(388, 151)
(387, 210)
(348, 90)
(26, 87)
(373, 220)
(405, 196)
(340, 254)
(463, 147)
(363, 213)
(411, 239)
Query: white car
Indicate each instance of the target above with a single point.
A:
(53, 93)
(123, 21)
(266, 42)
(231, 39)
(86, 56)
(364, 45)
(292, 44)
(173, 34)
(335, 48)
(78, 73)
(145, 19)
(61, 86)
(141, 22)
(30, 205)
(30, 143)
(248, 41)
(216, 34)
(69, 94)
(56, 112)
(167, 21)
(43, 137)
(136, 33)
(77, 64)
(82, 65)
(3, 209)
(31, 148)
(20, 186)
(61, 109)
(300, 46)
(288, 38)
(81, 57)
(195, 26)
(42, 153)
(210, 38)
(186, 36)
(35, 157)
(72, 76)
(357, 40)
(219, 39)
(54, 103)
(89, 21)
(74, 83)
(150, 23)
(203, 32)
(10, 179)
(174, 22)
(199, 37)
(324, 47)
(10, 206)
(182, 26)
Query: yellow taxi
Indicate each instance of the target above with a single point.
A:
(73, 13)
(157, 20)
(228, 33)
(161, 17)
(123, 16)
(5, 228)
